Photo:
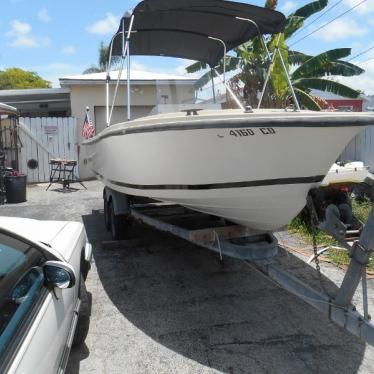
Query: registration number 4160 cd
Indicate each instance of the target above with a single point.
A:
(252, 132)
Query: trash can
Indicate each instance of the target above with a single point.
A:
(15, 189)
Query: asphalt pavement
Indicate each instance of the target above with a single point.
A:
(162, 305)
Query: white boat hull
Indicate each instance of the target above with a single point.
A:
(252, 175)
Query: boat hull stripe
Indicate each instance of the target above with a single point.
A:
(236, 124)
(215, 186)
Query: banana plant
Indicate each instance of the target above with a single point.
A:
(312, 72)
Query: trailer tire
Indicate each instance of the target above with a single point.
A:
(117, 224)
(107, 214)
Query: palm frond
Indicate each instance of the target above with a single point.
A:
(316, 65)
(297, 58)
(343, 68)
(327, 86)
(196, 67)
(271, 4)
(293, 23)
(310, 9)
(296, 20)
(92, 70)
(306, 100)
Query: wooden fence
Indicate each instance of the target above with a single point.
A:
(361, 148)
(43, 139)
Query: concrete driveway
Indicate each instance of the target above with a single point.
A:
(162, 305)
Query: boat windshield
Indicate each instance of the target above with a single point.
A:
(191, 91)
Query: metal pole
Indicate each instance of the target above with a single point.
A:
(268, 72)
(108, 81)
(224, 55)
(288, 80)
(230, 91)
(128, 84)
(266, 81)
(116, 89)
(123, 37)
(128, 68)
(280, 56)
(259, 33)
(214, 91)
(360, 255)
(365, 293)
(107, 98)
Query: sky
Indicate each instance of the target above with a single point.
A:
(61, 38)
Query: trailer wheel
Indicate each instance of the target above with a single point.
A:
(107, 214)
(117, 224)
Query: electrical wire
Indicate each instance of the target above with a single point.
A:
(318, 18)
(365, 61)
(361, 53)
(328, 23)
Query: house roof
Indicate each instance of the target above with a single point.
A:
(34, 95)
(137, 76)
(34, 91)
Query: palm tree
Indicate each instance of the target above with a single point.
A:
(311, 72)
(103, 58)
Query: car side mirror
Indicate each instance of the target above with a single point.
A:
(59, 274)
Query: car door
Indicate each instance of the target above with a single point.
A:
(34, 320)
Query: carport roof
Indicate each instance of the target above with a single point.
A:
(18, 97)
(7, 109)
(137, 76)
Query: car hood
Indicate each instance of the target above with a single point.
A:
(52, 236)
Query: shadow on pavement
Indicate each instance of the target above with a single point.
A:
(227, 317)
(76, 356)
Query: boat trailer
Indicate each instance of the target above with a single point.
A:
(260, 250)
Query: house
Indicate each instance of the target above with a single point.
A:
(340, 103)
(148, 89)
(56, 134)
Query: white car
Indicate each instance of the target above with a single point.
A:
(44, 305)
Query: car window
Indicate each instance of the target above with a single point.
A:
(21, 280)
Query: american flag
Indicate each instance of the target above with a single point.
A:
(88, 130)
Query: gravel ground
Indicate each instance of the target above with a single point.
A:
(162, 305)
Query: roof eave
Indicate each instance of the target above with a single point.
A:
(154, 82)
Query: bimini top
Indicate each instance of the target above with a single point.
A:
(181, 28)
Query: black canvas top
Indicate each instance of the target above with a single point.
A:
(180, 28)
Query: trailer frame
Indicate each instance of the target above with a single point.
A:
(260, 250)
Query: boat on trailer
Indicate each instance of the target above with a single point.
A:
(256, 167)
(253, 167)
